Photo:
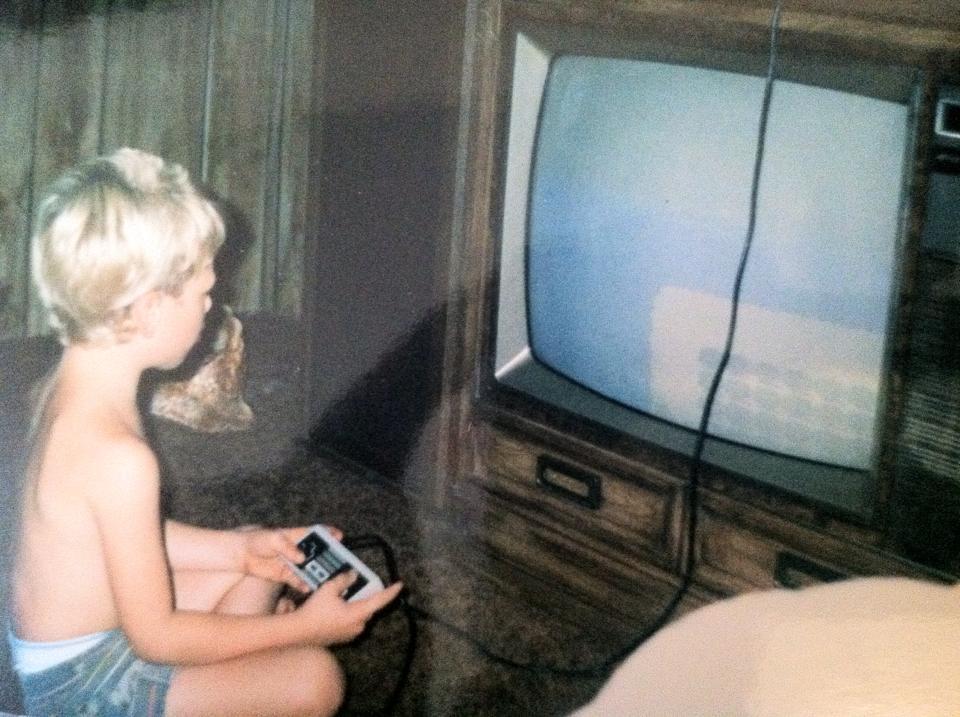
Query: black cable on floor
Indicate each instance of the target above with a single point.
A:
(361, 542)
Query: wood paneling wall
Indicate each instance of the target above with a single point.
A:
(220, 86)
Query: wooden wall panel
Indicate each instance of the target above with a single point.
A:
(286, 259)
(155, 95)
(247, 86)
(69, 97)
(19, 48)
(220, 86)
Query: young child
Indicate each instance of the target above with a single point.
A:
(114, 610)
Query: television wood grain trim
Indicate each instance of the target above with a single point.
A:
(915, 33)
(943, 14)
(630, 514)
(737, 555)
(605, 574)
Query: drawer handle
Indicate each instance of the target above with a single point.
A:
(793, 571)
(571, 483)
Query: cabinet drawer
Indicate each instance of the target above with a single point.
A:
(734, 557)
(566, 495)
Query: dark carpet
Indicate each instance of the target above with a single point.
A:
(446, 575)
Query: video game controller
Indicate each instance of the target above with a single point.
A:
(326, 557)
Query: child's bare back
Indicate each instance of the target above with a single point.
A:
(77, 448)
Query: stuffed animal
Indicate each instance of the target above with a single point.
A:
(211, 400)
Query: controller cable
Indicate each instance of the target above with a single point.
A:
(359, 543)
(691, 489)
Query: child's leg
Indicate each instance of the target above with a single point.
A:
(224, 592)
(293, 681)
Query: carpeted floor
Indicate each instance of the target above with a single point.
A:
(446, 576)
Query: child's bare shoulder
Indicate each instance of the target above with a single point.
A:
(103, 455)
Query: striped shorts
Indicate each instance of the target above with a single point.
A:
(108, 680)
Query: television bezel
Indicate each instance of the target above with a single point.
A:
(516, 388)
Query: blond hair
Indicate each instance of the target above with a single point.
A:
(111, 230)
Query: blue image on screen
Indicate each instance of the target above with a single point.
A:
(639, 204)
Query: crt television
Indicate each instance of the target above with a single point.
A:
(624, 180)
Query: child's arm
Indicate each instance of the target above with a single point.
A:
(124, 497)
(248, 550)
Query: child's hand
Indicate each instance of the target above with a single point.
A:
(262, 549)
(330, 620)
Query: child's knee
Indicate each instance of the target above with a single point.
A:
(323, 682)
(249, 595)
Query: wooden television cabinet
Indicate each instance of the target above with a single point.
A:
(599, 514)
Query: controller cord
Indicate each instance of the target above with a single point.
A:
(361, 542)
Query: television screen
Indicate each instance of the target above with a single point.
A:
(630, 187)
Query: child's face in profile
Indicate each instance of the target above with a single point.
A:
(181, 316)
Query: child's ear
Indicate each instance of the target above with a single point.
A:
(141, 316)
